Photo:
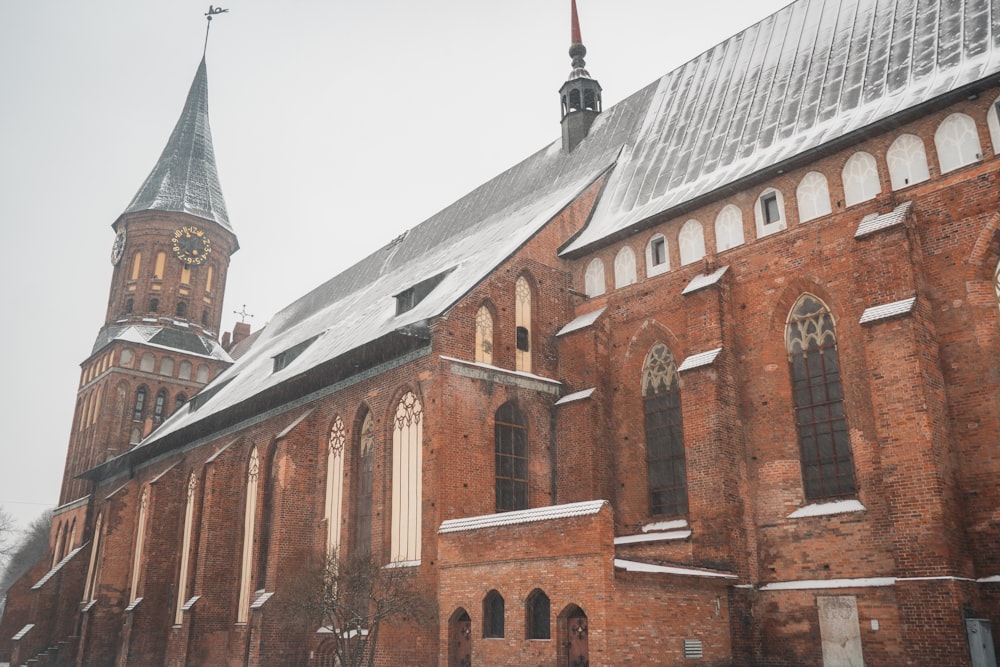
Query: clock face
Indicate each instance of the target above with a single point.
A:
(118, 247)
(191, 245)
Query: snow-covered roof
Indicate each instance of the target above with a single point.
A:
(548, 513)
(804, 77)
(164, 337)
(185, 178)
(637, 566)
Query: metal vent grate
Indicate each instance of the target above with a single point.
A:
(692, 648)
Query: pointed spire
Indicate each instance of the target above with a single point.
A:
(577, 51)
(185, 178)
(581, 94)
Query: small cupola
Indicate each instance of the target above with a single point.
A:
(581, 94)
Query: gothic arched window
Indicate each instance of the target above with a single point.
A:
(665, 458)
(493, 611)
(511, 448)
(522, 315)
(996, 283)
(140, 538)
(825, 449)
(957, 142)
(182, 578)
(538, 611)
(484, 335)
(861, 181)
(624, 267)
(593, 281)
(407, 479)
(249, 526)
(907, 161)
(182, 309)
(139, 408)
(691, 241)
(728, 228)
(167, 366)
(159, 406)
(813, 196)
(364, 471)
(334, 484)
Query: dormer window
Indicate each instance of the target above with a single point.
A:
(409, 298)
(288, 356)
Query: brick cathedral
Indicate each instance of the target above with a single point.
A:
(714, 379)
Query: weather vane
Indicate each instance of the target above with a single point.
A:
(242, 313)
(212, 11)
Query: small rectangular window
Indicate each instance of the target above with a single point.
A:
(769, 206)
(522, 339)
(659, 251)
(405, 301)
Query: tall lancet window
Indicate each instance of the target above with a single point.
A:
(182, 579)
(364, 472)
(249, 524)
(825, 450)
(91, 582)
(522, 292)
(661, 400)
(140, 544)
(484, 336)
(511, 448)
(407, 479)
(996, 283)
(334, 485)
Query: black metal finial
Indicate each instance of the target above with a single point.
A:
(212, 11)
(243, 313)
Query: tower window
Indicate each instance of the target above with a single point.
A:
(574, 100)
(204, 318)
(154, 305)
(140, 404)
(161, 400)
(129, 304)
(182, 309)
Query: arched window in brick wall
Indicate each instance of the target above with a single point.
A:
(407, 479)
(334, 499)
(159, 406)
(57, 545)
(90, 584)
(907, 161)
(167, 366)
(825, 449)
(691, 242)
(593, 280)
(511, 457)
(861, 181)
(729, 228)
(993, 122)
(136, 267)
(957, 142)
(203, 374)
(179, 402)
(249, 526)
(813, 196)
(364, 470)
(522, 317)
(139, 544)
(665, 458)
(182, 578)
(538, 612)
(184, 372)
(493, 612)
(147, 362)
(484, 335)
(139, 408)
(158, 266)
(625, 272)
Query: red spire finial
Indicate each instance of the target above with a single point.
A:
(575, 37)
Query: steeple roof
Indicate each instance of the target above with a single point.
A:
(185, 178)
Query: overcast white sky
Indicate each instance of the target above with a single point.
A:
(337, 125)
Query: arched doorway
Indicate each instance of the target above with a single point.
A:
(574, 627)
(460, 639)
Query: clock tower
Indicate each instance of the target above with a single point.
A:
(160, 340)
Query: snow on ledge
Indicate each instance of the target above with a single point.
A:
(22, 632)
(401, 563)
(874, 222)
(262, 600)
(811, 584)
(654, 537)
(581, 322)
(135, 605)
(522, 516)
(660, 526)
(633, 566)
(888, 311)
(576, 396)
(503, 371)
(825, 509)
(995, 579)
(701, 281)
(699, 360)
